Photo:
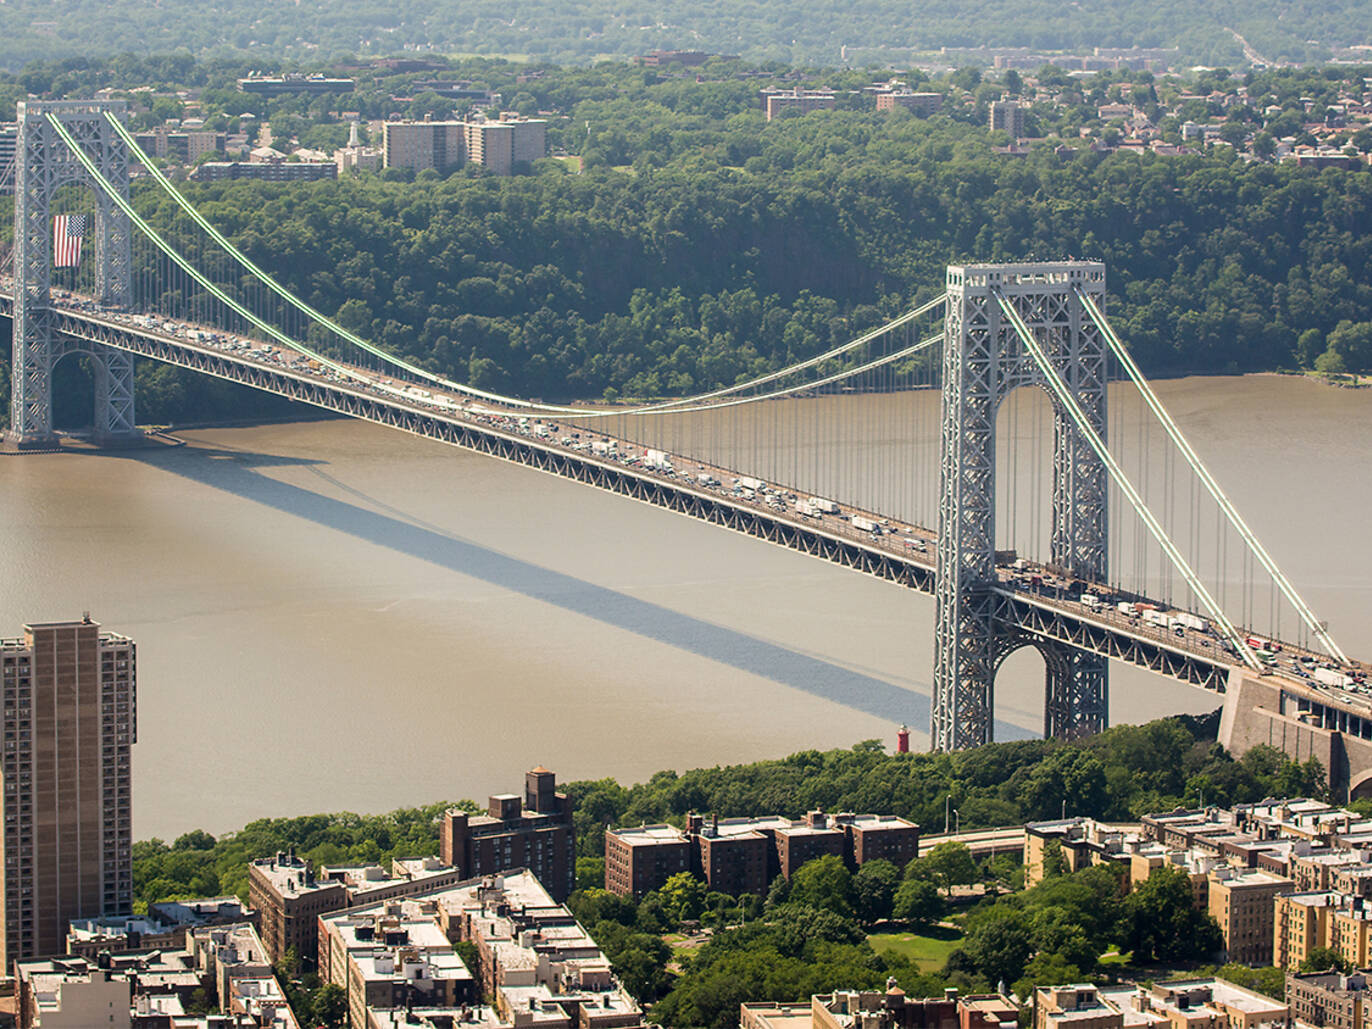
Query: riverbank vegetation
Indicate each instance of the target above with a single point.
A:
(1121, 774)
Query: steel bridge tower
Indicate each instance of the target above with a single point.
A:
(983, 361)
(43, 166)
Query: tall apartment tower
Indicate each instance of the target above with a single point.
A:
(70, 716)
(1007, 116)
(423, 144)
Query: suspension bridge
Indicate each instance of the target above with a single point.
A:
(996, 446)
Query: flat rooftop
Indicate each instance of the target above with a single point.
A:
(292, 878)
(649, 835)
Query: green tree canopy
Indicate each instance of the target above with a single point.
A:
(1159, 920)
(823, 883)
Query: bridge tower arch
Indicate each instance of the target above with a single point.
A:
(43, 165)
(983, 362)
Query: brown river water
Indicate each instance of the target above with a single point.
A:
(336, 616)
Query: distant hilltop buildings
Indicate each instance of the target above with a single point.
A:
(781, 101)
(498, 144)
(685, 58)
(280, 85)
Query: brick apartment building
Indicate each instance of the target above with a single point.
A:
(744, 855)
(534, 833)
(291, 898)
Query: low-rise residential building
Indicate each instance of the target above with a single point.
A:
(393, 954)
(537, 964)
(1196, 1004)
(234, 960)
(1305, 922)
(804, 840)
(641, 859)
(264, 171)
(922, 104)
(1075, 1006)
(1301, 923)
(537, 968)
(1080, 841)
(282, 85)
(744, 855)
(1316, 871)
(879, 837)
(78, 993)
(291, 897)
(70, 996)
(1146, 858)
(1207, 1003)
(164, 926)
(734, 855)
(888, 1009)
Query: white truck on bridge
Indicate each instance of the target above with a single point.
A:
(1332, 677)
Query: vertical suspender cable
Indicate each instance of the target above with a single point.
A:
(1235, 519)
(1093, 440)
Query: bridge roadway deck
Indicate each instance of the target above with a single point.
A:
(1046, 612)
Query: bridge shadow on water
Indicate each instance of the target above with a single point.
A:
(239, 472)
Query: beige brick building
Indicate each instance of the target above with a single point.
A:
(1243, 903)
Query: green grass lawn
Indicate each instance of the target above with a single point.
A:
(928, 950)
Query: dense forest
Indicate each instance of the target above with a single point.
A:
(687, 243)
(586, 29)
(720, 253)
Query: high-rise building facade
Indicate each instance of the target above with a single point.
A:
(1007, 116)
(423, 144)
(71, 716)
(501, 145)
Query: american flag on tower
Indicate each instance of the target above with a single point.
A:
(68, 233)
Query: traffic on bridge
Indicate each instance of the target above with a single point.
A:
(1184, 633)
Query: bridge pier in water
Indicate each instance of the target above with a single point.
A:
(983, 362)
(43, 166)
